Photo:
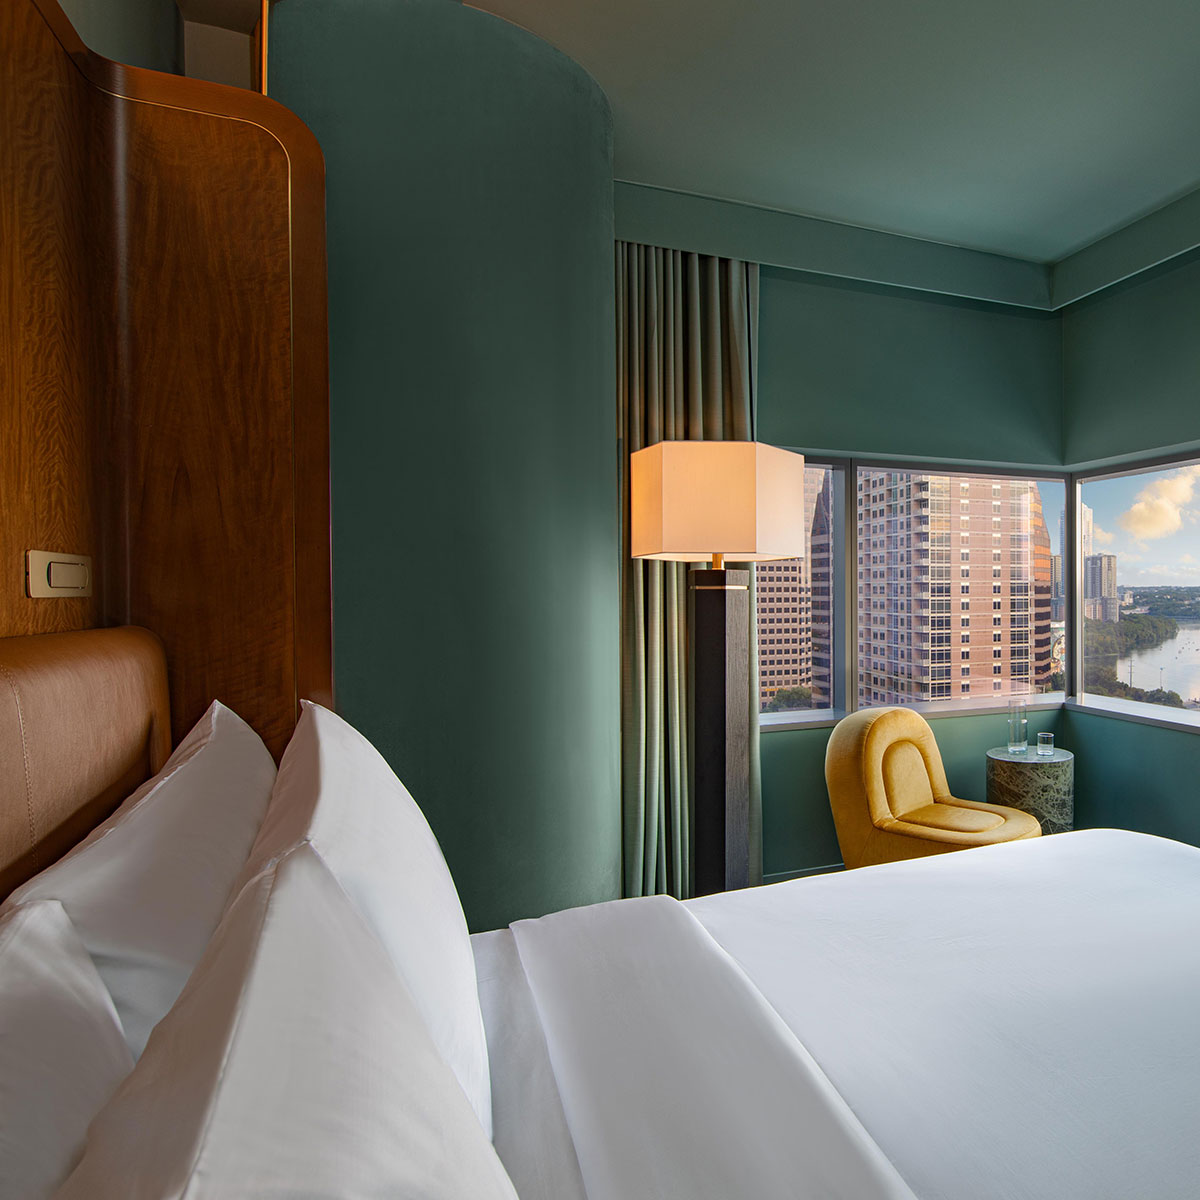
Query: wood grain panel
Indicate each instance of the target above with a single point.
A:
(48, 376)
(169, 381)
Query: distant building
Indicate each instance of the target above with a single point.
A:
(954, 587)
(955, 591)
(820, 559)
(784, 597)
(1058, 591)
(1085, 532)
(1100, 601)
(1126, 597)
(795, 609)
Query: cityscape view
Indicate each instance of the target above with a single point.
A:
(954, 591)
(960, 592)
(1145, 645)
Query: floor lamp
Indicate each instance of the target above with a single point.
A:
(708, 502)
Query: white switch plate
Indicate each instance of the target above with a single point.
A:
(48, 573)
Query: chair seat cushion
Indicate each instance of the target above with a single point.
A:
(950, 816)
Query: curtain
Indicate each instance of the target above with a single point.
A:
(687, 329)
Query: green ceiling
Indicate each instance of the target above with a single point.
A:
(1028, 128)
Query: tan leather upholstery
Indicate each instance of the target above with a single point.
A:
(84, 719)
(890, 798)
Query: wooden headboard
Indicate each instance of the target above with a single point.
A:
(163, 368)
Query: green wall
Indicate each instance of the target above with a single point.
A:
(860, 368)
(142, 33)
(1128, 364)
(472, 426)
(1134, 776)
(798, 832)
(1132, 358)
(1132, 366)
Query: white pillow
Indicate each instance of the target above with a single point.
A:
(146, 889)
(294, 1064)
(62, 1052)
(336, 791)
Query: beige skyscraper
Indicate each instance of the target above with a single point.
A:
(953, 587)
(1100, 602)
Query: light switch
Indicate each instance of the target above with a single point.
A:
(69, 576)
(48, 573)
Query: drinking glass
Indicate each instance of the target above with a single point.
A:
(1045, 743)
(1018, 727)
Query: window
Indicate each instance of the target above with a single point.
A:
(917, 535)
(796, 669)
(914, 549)
(1140, 593)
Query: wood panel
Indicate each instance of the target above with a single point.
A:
(183, 436)
(48, 376)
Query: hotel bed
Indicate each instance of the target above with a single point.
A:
(291, 1004)
(1013, 1021)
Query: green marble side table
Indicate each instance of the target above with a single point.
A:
(1042, 785)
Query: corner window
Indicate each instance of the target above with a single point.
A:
(1140, 594)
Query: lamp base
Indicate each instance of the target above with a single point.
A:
(719, 636)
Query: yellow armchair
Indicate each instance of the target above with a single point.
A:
(890, 799)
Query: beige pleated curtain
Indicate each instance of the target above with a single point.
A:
(687, 329)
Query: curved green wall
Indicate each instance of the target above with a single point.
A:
(473, 431)
(143, 33)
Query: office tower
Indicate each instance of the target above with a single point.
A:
(821, 575)
(784, 626)
(1058, 591)
(1085, 532)
(1042, 568)
(1100, 601)
(954, 587)
(795, 605)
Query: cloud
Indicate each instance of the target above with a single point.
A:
(1157, 511)
(1101, 535)
(1168, 573)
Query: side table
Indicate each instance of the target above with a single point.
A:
(1042, 785)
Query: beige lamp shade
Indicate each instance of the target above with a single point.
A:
(692, 500)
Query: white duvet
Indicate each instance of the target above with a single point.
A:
(1005, 1023)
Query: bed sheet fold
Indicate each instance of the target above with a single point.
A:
(678, 1080)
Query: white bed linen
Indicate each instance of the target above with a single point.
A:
(1013, 1022)
(677, 1080)
(529, 1129)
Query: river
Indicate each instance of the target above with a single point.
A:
(1178, 661)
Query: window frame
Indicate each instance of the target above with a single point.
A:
(845, 641)
(844, 650)
(1077, 699)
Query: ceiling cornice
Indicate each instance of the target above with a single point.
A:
(683, 221)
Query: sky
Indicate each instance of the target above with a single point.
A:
(1150, 521)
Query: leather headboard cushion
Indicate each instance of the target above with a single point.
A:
(84, 719)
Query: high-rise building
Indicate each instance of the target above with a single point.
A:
(820, 560)
(795, 605)
(1100, 601)
(954, 587)
(1042, 609)
(783, 597)
(1085, 532)
(1058, 590)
